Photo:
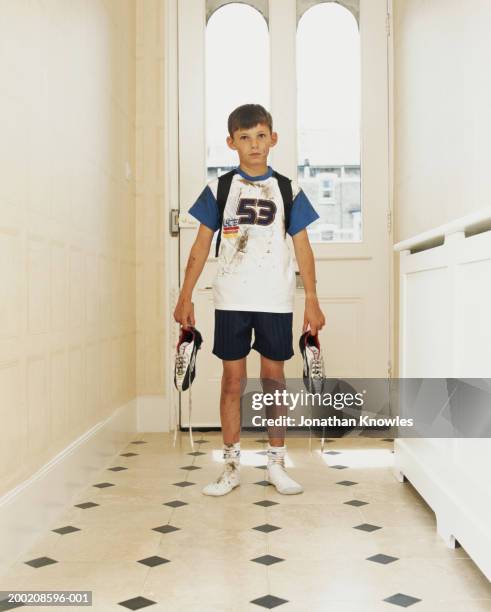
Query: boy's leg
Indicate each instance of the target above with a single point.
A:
(233, 382)
(273, 378)
(234, 378)
(272, 375)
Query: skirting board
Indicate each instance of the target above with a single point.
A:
(29, 510)
(461, 508)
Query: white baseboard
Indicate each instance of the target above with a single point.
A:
(28, 510)
(460, 506)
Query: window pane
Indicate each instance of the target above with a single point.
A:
(237, 72)
(328, 79)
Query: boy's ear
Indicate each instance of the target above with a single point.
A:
(274, 138)
(230, 142)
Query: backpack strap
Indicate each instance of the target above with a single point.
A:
(224, 182)
(285, 186)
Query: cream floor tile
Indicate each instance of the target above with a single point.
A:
(356, 581)
(469, 605)
(449, 579)
(214, 582)
(118, 578)
(314, 515)
(410, 517)
(198, 546)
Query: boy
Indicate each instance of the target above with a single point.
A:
(255, 283)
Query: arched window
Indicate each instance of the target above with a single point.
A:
(237, 72)
(329, 113)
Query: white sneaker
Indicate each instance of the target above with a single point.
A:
(313, 362)
(226, 482)
(278, 476)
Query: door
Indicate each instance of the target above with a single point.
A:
(351, 241)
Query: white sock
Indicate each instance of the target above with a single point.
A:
(277, 474)
(276, 454)
(231, 452)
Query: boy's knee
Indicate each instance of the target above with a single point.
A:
(232, 384)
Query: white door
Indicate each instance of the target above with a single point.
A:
(352, 264)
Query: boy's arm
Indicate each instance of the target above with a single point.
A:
(184, 311)
(313, 315)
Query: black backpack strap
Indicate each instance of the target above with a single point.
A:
(285, 186)
(224, 182)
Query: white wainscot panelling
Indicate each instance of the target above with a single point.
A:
(445, 332)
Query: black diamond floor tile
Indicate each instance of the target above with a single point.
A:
(263, 452)
(190, 468)
(139, 442)
(346, 483)
(367, 527)
(202, 441)
(384, 559)
(86, 505)
(262, 441)
(128, 454)
(165, 529)
(136, 603)
(332, 453)
(400, 599)
(267, 560)
(269, 601)
(66, 529)
(263, 483)
(103, 485)
(387, 439)
(339, 467)
(117, 468)
(196, 453)
(175, 504)
(260, 467)
(266, 528)
(265, 503)
(40, 562)
(153, 561)
(356, 502)
(184, 483)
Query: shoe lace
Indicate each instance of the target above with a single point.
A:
(318, 366)
(180, 364)
(277, 459)
(182, 359)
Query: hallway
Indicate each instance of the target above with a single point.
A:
(143, 536)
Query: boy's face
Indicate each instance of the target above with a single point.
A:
(253, 144)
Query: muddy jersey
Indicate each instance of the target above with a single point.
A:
(255, 263)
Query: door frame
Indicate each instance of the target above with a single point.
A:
(283, 119)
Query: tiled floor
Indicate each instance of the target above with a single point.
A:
(356, 540)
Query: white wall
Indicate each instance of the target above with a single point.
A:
(67, 218)
(442, 97)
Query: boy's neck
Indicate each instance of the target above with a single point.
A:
(255, 171)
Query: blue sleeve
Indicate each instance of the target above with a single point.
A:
(302, 213)
(205, 209)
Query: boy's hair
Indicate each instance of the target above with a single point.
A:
(248, 116)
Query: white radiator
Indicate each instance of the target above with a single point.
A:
(445, 332)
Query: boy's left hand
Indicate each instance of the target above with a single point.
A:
(313, 316)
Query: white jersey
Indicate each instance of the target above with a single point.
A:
(255, 269)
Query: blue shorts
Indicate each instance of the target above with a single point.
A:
(272, 334)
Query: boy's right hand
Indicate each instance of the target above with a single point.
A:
(184, 312)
